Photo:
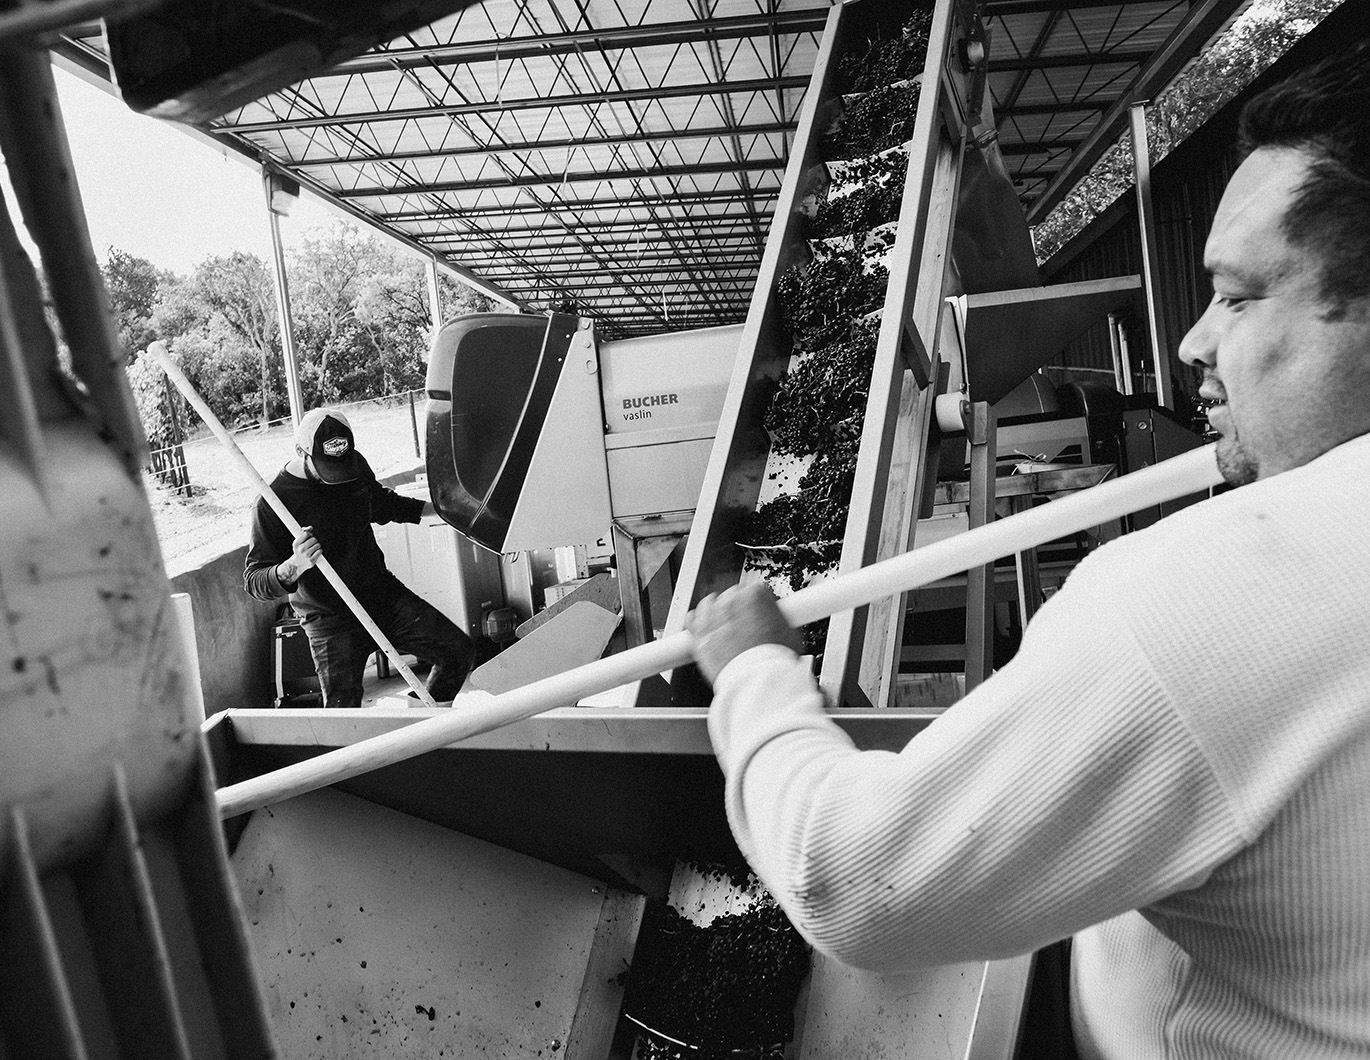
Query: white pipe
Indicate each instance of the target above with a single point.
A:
(185, 623)
(159, 353)
(1191, 473)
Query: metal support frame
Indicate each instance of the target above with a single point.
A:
(1122, 371)
(1125, 358)
(645, 136)
(640, 558)
(646, 35)
(1029, 575)
(639, 198)
(1160, 346)
(717, 225)
(726, 274)
(980, 431)
(1081, 58)
(881, 627)
(649, 93)
(556, 180)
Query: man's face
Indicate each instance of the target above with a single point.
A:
(1291, 384)
(312, 472)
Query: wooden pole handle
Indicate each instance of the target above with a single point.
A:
(1183, 475)
(159, 353)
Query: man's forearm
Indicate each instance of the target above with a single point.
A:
(288, 572)
(268, 581)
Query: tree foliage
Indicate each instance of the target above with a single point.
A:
(237, 290)
(133, 284)
(361, 320)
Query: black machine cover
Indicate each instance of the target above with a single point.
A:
(491, 378)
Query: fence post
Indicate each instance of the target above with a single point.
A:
(414, 422)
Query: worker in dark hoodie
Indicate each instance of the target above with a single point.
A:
(331, 490)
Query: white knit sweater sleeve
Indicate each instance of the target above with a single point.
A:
(1063, 792)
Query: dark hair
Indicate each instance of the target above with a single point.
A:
(1324, 111)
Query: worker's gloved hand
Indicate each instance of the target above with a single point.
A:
(726, 624)
(305, 553)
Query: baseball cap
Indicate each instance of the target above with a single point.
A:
(325, 436)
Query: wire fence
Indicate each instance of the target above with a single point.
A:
(168, 463)
(353, 410)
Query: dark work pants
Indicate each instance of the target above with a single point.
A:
(341, 646)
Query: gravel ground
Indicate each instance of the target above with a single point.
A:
(216, 517)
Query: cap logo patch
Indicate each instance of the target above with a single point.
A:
(335, 447)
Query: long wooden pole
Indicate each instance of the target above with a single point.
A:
(1178, 477)
(159, 353)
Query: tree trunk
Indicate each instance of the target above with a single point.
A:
(266, 389)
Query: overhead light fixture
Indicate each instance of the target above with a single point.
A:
(282, 192)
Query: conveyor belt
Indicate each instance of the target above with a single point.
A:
(959, 230)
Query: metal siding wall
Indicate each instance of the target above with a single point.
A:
(1115, 252)
(1186, 187)
(1186, 190)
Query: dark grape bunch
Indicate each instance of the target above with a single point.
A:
(887, 59)
(797, 535)
(815, 637)
(875, 201)
(820, 300)
(820, 402)
(874, 121)
(727, 989)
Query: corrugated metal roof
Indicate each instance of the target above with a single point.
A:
(623, 158)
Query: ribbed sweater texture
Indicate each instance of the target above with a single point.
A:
(1174, 769)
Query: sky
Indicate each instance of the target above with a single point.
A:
(151, 190)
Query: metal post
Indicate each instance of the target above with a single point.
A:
(1120, 379)
(434, 295)
(630, 587)
(1141, 160)
(414, 423)
(292, 364)
(435, 311)
(1124, 357)
(1028, 572)
(980, 589)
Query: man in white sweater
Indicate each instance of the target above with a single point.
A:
(1175, 768)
